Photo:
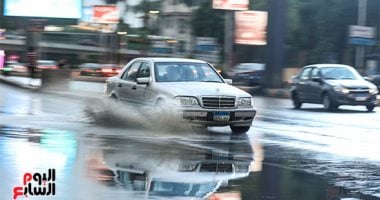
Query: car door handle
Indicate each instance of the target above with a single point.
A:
(134, 87)
(119, 85)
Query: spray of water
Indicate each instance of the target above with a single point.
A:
(106, 112)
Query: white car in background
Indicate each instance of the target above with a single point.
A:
(193, 87)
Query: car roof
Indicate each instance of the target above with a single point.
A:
(163, 59)
(328, 65)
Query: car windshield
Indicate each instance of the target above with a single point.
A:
(339, 73)
(185, 72)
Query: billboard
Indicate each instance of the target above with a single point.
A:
(251, 27)
(70, 9)
(105, 14)
(230, 4)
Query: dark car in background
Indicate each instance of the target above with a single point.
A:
(90, 69)
(249, 74)
(100, 70)
(332, 85)
(375, 79)
(46, 64)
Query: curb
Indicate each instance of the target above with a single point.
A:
(17, 84)
(38, 89)
(90, 79)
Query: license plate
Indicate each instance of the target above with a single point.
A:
(221, 116)
(361, 98)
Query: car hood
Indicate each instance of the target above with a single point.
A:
(201, 89)
(350, 83)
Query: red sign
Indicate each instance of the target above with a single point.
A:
(250, 27)
(230, 4)
(106, 14)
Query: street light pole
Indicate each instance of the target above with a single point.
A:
(362, 15)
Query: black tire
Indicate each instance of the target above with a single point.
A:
(296, 101)
(370, 108)
(239, 129)
(328, 104)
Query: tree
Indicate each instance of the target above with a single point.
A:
(144, 7)
(207, 22)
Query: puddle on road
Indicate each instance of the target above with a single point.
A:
(151, 166)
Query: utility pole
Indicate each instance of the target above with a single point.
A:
(362, 15)
(275, 48)
(228, 38)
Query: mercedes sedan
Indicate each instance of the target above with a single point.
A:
(192, 87)
(332, 85)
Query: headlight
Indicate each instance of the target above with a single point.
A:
(373, 91)
(341, 89)
(245, 102)
(185, 101)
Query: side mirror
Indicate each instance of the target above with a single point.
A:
(228, 81)
(144, 80)
(316, 79)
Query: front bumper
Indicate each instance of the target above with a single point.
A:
(236, 117)
(356, 99)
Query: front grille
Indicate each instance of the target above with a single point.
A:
(218, 102)
(359, 90)
(216, 167)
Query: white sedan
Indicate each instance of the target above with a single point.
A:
(193, 87)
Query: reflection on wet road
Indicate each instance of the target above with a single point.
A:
(141, 165)
(289, 154)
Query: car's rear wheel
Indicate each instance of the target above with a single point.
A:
(296, 101)
(239, 129)
(370, 108)
(328, 104)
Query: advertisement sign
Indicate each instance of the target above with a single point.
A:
(230, 4)
(251, 27)
(106, 14)
(362, 35)
(206, 44)
(70, 9)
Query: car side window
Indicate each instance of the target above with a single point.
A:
(315, 73)
(144, 70)
(305, 74)
(131, 73)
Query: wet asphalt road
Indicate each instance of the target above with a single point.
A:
(101, 151)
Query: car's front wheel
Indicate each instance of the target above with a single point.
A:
(296, 101)
(370, 108)
(239, 129)
(328, 104)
